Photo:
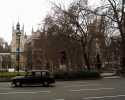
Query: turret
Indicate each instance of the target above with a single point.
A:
(18, 26)
(32, 30)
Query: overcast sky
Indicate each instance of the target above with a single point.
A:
(29, 12)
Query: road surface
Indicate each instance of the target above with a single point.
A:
(103, 89)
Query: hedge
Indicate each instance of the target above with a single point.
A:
(77, 75)
(59, 75)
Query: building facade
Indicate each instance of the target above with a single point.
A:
(5, 61)
(37, 52)
(53, 52)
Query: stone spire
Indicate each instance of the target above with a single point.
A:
(25, 35)
(32, 30)
(23, 28)
(12, 28)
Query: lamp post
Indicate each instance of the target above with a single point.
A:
(18, 50)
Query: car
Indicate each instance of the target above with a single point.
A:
(34, 77)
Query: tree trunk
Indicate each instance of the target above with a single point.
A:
(123, 55)
(86, 59)
(98, 63)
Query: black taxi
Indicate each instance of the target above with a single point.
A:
(34, 77)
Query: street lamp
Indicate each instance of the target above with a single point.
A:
(18, 49)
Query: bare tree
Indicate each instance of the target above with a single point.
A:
(114, 10)
(75, 23)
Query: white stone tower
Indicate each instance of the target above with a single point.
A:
(14, 46)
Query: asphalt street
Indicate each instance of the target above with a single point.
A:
(103, 89)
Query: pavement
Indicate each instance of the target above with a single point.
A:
(110, 75)
(107, 74)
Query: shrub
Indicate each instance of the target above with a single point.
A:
(77, 75)
(89, 74)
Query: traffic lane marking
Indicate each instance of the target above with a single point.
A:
(81, 85)
(70, 82)
(25, 92)
(102, 97)
(5, 88)
(96, 89)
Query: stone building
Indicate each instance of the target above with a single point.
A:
(17, 46)
(37, 51)
(53, 52)
(5, 60)
(28, 53)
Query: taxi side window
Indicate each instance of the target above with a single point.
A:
(44, 74)
(38, 74)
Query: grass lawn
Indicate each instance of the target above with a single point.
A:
(11, 74)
